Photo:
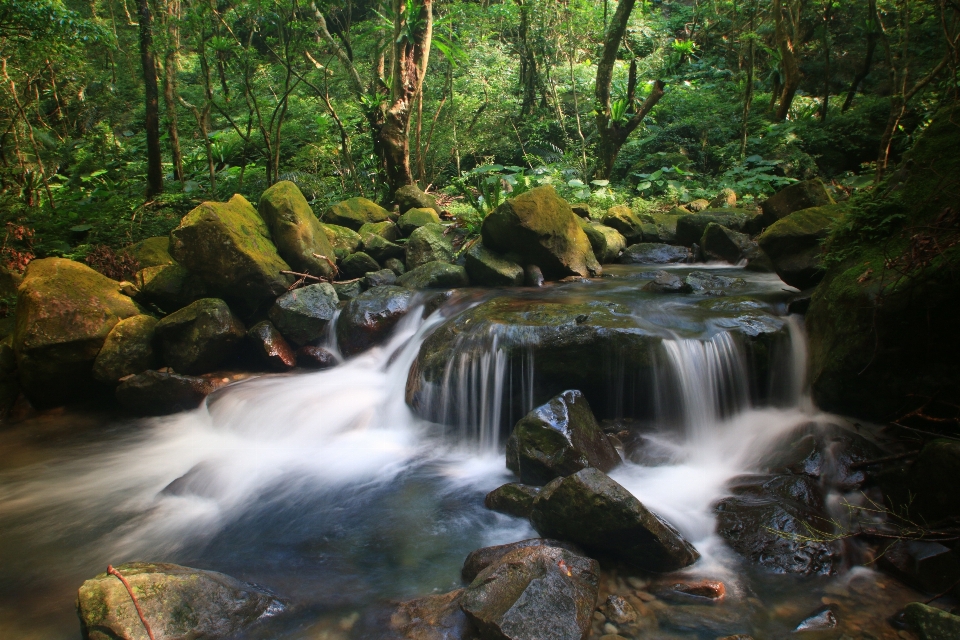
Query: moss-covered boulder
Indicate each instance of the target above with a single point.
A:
(228, 245)
(435, 275)
(411, 197)
(661, 227)
(368, 319)
(169, 287)
(800, 195)
(356, 265)
(158, 393)
(931, 623)
(690, 228)
(650, 253)
(491, 269)
(199, 337)
(153, 252)
(793, 244)
(270, 350)
(387, 230)
(127, 350)
(429, 243)
(65, 310)
(606, 242)
(343, 240)
(380, 249)
(720, 243)
(592, 510)
(396, 265)
(624, 220)
(541, 228)
(416, 218)
(295, 230)
(177, 602)
(302, 315)
(515, 499)
(355, 212)
(557, 439)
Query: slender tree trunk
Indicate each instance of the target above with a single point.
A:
(748, 95)
(825, 105)
(170, 85)
(528, 62)
(864, 70)
(152, 101)
(787, 18)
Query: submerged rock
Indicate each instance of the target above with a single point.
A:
(534, 592)
(705, 282)
(793, 244)
(177, 602)
(514, 499)
(355, 212)
(269, 347)
(157, 393)
(369, 318)
(127, 350)
(559, 438)
(648, 253)
(437, 617)
(295, 230)
(302, 315)
(199, 337)
(666, 282)
(928, 566)
(540, 226)
(592, 510)
(435, 275)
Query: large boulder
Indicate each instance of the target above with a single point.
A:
(773, 521)
(690, 228)
(623, 219)
(793, 244)
(435, 275)
(355, 212)
(153, 252)
(800, 195)
(169, 287)
(720, 243)
(489, 268)
(540, 226)
(177, 602)
(607, 242)
(127, 350)
(649, 253)
(295, 230)
(429, 243)
(199, 337)
(369, 318)
(302, 315)
(416, 218)
(534, 592)
(411, 197)
(557, 439)
(343, 240)
(932, 623)
(228, 245)
(157, 393)
(65, 310)
(662, 227)
(592, 510)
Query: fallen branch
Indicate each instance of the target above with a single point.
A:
(303, 276)
(333, 265)
(868, 463)
(114, 572)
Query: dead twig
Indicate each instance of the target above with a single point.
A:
(136, 603)
(868, 463)
(333, 265)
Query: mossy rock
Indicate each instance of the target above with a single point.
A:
(228, 245)
(355, 212)
(542, 229)
(302, 315)
(435, 275)
(199, 337)
(343, 240)
(490, 269)
(800, 195)
(606, 242)
(690, 228)
(412, 197)
(624, 220)
(295, 230)
(153, 252)
(429, 243)
(356, 265)
(720, 243)
(514, 499)
(178, 602)
(793, 244)
(662, 227)
(932, 623)
(387, 230)
(416, 218)
(379, 248)
(169, 287)
(127, 350)
(65, 310)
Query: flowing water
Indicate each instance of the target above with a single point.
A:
(326, 488)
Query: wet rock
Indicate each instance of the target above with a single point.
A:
(302, 315)
(168, 287)
(799, 304)
(396, 266)
(932, 623)
(820, 620)
(354, 213)
(711, 283)
(295, 230)
(369, 318)
(690, 228)
(348, 290)
(793, 244)
(557, 439)
(649, 253)
(514, 499)
(199, 337)
(479, 559)
(704, 620)
(380, 278)
(798, 196)
(436, 617)
(310, 357)
(618, 611)
(624, 220)
(720, 243)
(769, 521)
(540, 227)
(829, 454)
(343, 239)
(357, 265)
(158, 393)
(690, 591)
(592, 510)
(435, 275)
(381, 249)
(271, 350)
(532, 276)
(387, 230)
(429, 243)
(489, 268)
(666, 282)
(411, 197)
(607, 242)
(413, 219)
(65, 310)
(928, 566)
(178, 602)
(153, 252)
(534, 592)
(127, 350)
(228, 245)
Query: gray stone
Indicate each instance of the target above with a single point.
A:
(379, 278)
(357, 265)
(649, 253)
(302, 315)
(369, 318)
(429, 243)
(435, 275)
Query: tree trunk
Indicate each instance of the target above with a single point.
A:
(152, 102)
(864, 70)
(787, 19)
(170, 86)
(825, 105)
(528, 63)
